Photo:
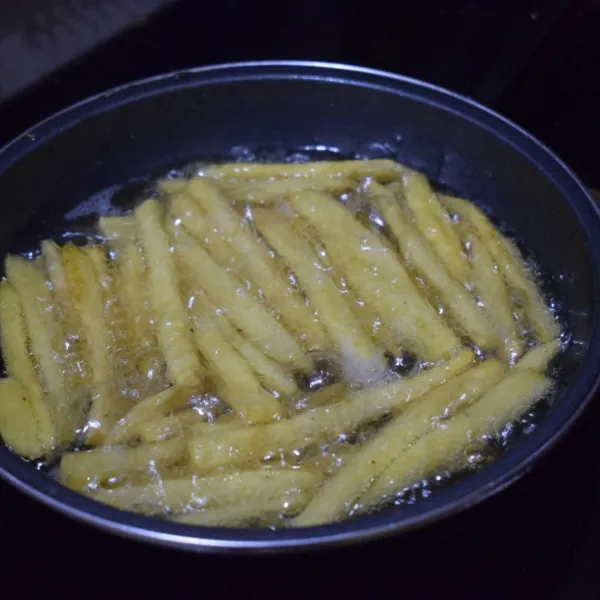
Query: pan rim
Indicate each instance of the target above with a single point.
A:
(489, 482)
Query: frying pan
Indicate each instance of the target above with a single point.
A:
(134, 132)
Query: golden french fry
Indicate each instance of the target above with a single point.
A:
(490, 288)
(80, 470)
(380, 169)
(538, 357)
(444, 446)
(338, 494)
(250, 446)
(289, 503)
(199, 492)
(243, 390)
(510, 262)
(241, 308)
(419, 254)
(435, 225)
(183, 364)
(254, 261)
(375, 272)
(362, 359)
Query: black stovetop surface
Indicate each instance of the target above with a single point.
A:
(535, 61)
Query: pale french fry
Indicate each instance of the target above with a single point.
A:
(338, 494)
(119, 230)
(362, 359)
(539, 357)
(380, 169)
(78, 470)
(19, 366)
(274, 191)
(510, 262)
(148, 409)
(219, 490)
(419, 254)
(172, 186)
(271, 374)
(251, 509)
(250, 446)
(20, 426)
(371, 267)
(241, 308)
(490, 287)
(55, 270)
(435, 225)
(243, 390)
(254, 260)
(444, 446)
(183, 364)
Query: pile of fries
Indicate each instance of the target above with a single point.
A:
(164, 368)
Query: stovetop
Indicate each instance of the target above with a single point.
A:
(534, 61)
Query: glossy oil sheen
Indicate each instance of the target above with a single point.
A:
(142, 130)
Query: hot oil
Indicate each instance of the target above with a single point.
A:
(140, 371)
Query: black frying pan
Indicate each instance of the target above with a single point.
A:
(138, 131)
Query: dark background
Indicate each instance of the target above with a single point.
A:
(534, 61)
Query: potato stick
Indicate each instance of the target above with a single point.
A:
(539, 357)
(24, 428)
(338, 494)
(244, 392)
(243, 309)
(251, 509)
(150, 408)
(420, 255)
(376, 274)
(172, 186)
(490, 288)
(510, 262)
(183, 363)
(19, 366)
(380, 169)
(327, 395)
(272, 192)
(55, 270)
(192, 492)
(79, 470)
(435, 225)
(362, 359)
(163, 428)
(42, 328)
(272, 375)
(247, 446)
(131, 276)
(444, 447)
(119, 230)
(257, 264)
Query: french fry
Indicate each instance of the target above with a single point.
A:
(154, 407)
(338, 494)
(490, 287)
(241, 308)
(19, 367)
(271, 374)
(539, 357)
(80, 470)
(380, 169)
(119, 231)
(444, 447)
(172, 186)
(271, 192)
(435, 225)
(55, 270)
(250, 446)
(243, 390)
(183, 364)
(21, 427)
(510, 262)
(371, 267)
(361, 357)
(257, 264)
(195, 492)
(419, 254)
(251, 509)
